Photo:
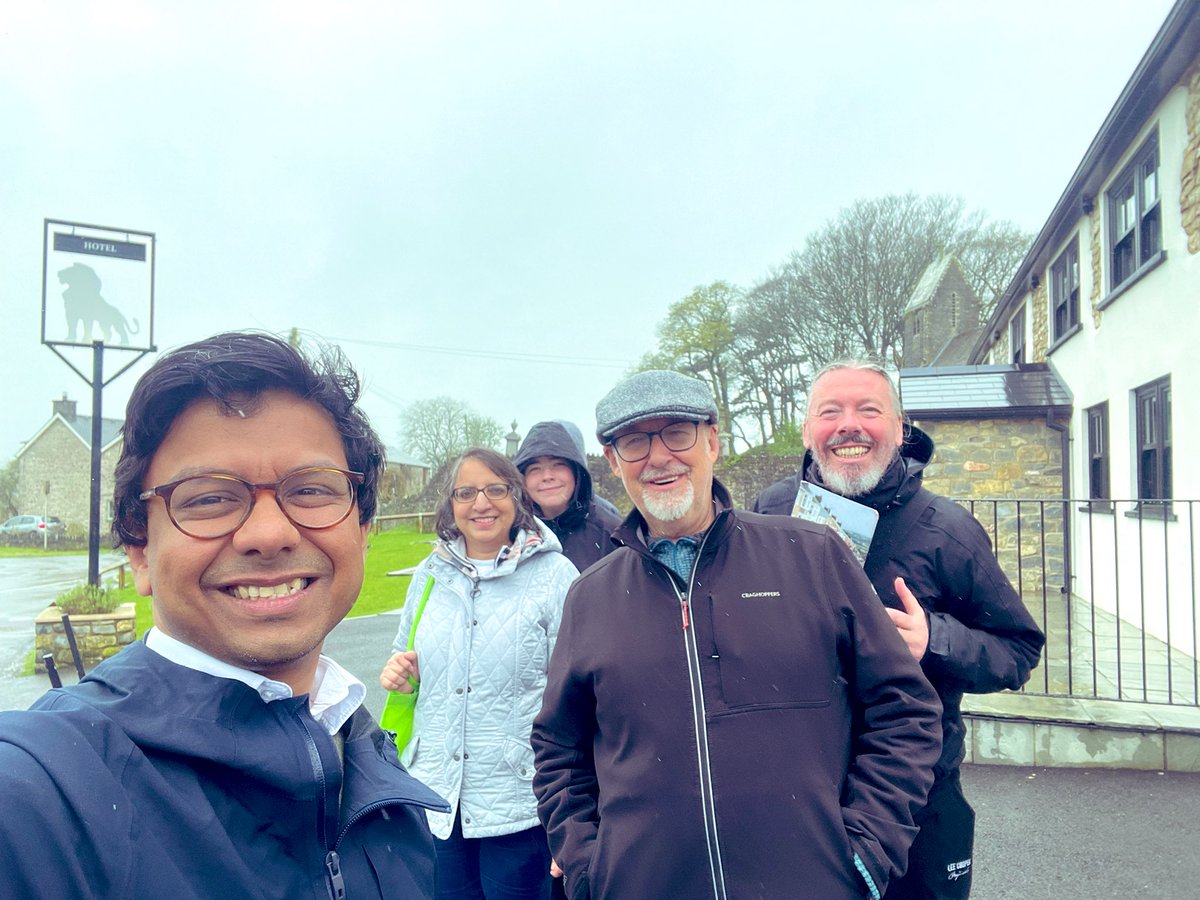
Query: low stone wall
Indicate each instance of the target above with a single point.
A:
(97, 636)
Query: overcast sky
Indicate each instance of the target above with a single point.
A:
(498, 201)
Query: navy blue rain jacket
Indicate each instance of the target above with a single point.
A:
(149, 779)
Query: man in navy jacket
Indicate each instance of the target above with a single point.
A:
(223, 756)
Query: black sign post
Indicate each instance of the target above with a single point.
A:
(100, 298)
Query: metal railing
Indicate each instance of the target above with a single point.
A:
(1113, 584)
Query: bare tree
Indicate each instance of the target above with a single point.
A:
(843, 294)
(438, 429)
(858, 272)
(990, 254)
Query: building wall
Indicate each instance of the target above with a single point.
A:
(1148, 330)
(60, 458)
(1189, 180)
(1135, 335)
(938, 321)
(1040, 324)
(1006, 460)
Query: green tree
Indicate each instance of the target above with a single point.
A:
(8, 490)
(697, 337)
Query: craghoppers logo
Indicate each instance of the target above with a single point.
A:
(749, 595)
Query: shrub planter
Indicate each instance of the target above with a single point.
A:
(97, 636)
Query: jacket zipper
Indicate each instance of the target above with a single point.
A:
(707, 800)
(334, 883)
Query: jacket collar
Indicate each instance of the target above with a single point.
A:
(900, 481)
(525, 545)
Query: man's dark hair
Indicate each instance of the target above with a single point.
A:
(234, 369)
(503, 469)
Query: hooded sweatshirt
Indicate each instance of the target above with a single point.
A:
(585, 527)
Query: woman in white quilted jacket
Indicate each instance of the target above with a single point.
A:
(480, 655)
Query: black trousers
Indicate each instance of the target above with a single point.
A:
(939, 861)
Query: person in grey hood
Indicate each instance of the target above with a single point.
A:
(552, 462)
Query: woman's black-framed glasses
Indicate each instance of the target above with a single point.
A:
(215, 505)
(634, 446)
(467, 494)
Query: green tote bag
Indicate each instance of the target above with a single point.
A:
(399, 709)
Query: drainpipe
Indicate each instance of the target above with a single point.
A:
(1065, 452)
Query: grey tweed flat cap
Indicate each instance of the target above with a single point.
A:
(649, 395)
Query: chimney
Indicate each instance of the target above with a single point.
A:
(65, 408)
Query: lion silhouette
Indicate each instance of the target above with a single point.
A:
(85, 307)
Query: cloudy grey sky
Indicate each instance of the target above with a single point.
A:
(498, 201)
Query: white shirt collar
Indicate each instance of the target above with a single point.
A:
(334, 697)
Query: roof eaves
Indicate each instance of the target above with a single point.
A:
(1148, 84)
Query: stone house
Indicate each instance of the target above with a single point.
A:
(54, 468)
(404, 476)
(941, 319)
(1000, 434)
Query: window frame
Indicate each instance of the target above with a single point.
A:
(1152, 443)
(1134, 233)
(1099, 461)
(1064, 293)
(1016, 327)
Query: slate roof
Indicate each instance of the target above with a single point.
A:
(974, 392)
(957, 350)
(110, 429)
(928, 283)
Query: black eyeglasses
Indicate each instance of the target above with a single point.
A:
(212, 506)
(634, 446)
(467, 494)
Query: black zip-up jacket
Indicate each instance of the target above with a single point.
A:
(981, 636)
(585, 527)
(758, 731)
(150, 780)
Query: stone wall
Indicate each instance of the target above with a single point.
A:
(1006, 460)
(1040, 331)
(60, 458)
(1000, 352)
(1189, 194)
(1097, 265)
(98, 636)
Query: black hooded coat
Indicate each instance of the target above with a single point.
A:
(585, 527)
(981, 636)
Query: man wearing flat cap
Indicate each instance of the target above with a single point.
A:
(729, 712)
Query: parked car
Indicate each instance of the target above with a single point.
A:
(33, 528)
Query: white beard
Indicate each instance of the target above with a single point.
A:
(854, 485)
(850, 479)
(673, 506)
